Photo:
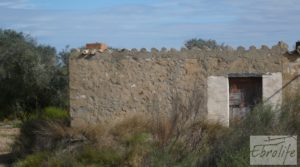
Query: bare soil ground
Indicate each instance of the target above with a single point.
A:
(8, 133)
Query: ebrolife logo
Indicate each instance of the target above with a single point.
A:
(273, 150)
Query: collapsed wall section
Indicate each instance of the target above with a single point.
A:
(110, 85)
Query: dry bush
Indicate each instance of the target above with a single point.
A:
(134, 124)
(44, 135)
(177, 139)
(183, 136)
(183, 113)
(233, 148)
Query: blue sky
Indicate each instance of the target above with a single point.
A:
(155, 23)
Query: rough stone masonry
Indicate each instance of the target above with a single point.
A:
(109, 85)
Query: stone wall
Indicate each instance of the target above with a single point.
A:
(114, 83)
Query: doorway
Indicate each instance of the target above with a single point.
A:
(244, 93)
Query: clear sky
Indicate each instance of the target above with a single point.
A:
(153, 23)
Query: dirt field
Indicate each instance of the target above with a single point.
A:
(7, 135)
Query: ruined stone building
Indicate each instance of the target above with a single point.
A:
(110, 84)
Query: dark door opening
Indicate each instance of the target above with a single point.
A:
(244, 94)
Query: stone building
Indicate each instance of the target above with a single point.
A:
(226, 82)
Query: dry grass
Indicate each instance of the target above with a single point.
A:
(7, 137)
(182, 138)
(136, 140)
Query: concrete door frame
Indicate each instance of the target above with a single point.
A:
(218, 94)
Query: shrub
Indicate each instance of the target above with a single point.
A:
(105, 157)
(42, 131)
(232, 149)
(176, 140)
(54, 113)
(48, 159)
(37, 159)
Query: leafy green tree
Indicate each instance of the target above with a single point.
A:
(28, 74)
(63, 56)
(60, 80)
(202, 43)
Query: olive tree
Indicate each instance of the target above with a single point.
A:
(202, 43)
(29, 77)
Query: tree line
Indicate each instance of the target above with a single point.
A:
(32, 75)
